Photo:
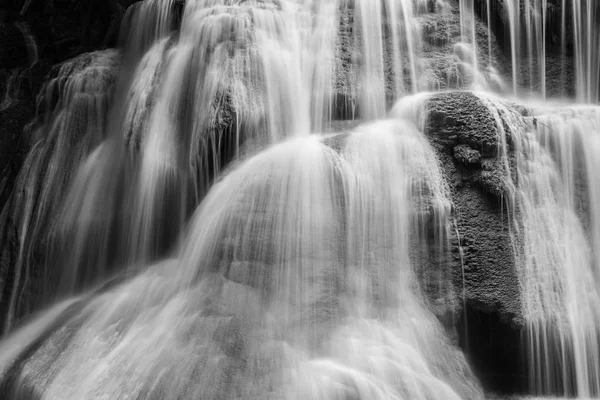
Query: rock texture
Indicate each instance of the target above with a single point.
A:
(464, 135)
(444, 63)
(484, 275)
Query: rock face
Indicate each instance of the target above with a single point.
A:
(465, 137)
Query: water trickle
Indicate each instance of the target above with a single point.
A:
(586, 44)
(468, 34)
(13, 86)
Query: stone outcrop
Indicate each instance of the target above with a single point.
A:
(464, 135)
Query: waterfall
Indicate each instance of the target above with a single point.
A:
(555, 193)
(32, 47)
(292, 251)
(586, 42)
(531, 27)
(68, 129)
(11, 90)
(248, 199)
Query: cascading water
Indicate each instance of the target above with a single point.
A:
(570, 29)
(239, 65)
(294, 281)
(558, 270)
(69, 128)
(554, 191)
(201, 243)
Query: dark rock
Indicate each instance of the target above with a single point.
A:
(484, 265)
(464, 154)
(560, 71)
(493, 182)
(461, 118)
(14, 142)
(495, 351)
(13, 50)
(345, 101)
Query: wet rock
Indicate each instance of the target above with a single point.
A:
(466, 155)
(13, 50)
(461, 118)
(493, 182)
(345, 101)
(483, 264)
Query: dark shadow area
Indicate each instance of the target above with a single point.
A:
(493, 348)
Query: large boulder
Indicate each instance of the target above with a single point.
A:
(465, 137)
(488, 316)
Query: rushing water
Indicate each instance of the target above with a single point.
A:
(556, 237)
(199, 240)
(294, 281)
(69, 129)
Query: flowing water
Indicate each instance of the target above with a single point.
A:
(556, 197)
(200, 237)
(294, 280)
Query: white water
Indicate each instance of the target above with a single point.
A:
(69, 130)
(555, 231)
(555, 203)
(293, 282)
(12, 88)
